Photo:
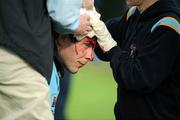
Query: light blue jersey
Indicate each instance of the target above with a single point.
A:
(54, 87)
(65, 14)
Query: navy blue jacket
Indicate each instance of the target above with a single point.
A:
(146, 62)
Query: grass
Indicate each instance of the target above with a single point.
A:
(92, 93)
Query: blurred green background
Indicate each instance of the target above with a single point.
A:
(92, 93)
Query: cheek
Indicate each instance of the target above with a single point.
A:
(81, 52)
(71, 64)
(68, 57)
(80, 55)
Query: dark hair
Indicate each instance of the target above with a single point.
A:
(55, 35)
(72, 38)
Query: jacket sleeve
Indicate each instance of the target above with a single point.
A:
(152, 64)
(64, 14)
(116, 35)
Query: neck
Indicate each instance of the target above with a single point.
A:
(146, 4)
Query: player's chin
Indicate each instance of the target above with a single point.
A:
(74, 70)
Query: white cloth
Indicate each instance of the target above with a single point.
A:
(105, 39)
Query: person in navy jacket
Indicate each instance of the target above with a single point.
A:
(146, 59)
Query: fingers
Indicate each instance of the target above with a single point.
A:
(88, 26)
(86, 18)
(88, 4)
(84, 26)
(84, 31)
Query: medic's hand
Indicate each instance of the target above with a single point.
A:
(105, 40)
(88, 4)
(84, 26)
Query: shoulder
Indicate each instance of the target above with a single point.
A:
(171, 21)
(114, 21)
(130, 12)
